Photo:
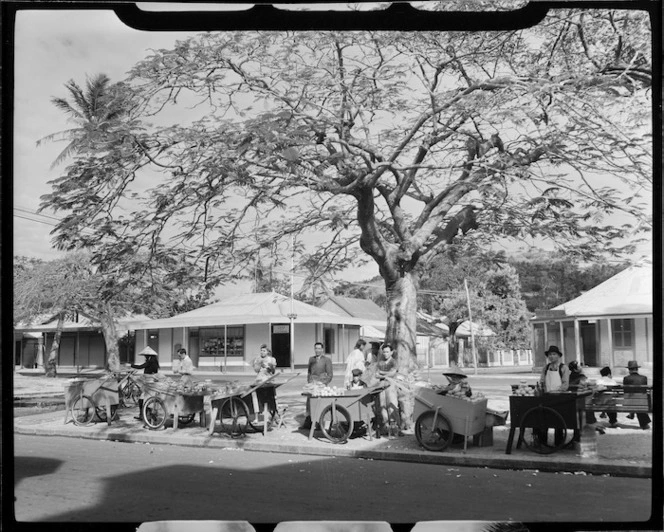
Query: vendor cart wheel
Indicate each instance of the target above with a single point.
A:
(336, 423)
(155, 413)
(101, 412)
(535, 424)
(186, 419)
(83, 410)
(234, 417)
(433, 438)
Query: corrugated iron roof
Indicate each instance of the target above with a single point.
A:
(252, 308)
(628, 292)
(359, 308)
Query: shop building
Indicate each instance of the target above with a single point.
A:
(227, 335)
(608, 325)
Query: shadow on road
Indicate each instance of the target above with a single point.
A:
(28, 466)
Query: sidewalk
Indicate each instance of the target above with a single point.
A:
(624, 451)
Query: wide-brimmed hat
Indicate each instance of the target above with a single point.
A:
(357, 372)
(455, 371)
(632, 364)
(553, 349)
(148, 351)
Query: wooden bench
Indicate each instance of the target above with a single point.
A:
(637, 399)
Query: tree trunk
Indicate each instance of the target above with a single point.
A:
(402, 320)
(51, 366)
(110, 339)
(402, 335)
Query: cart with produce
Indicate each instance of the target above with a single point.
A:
(439, 416)
(240, 407)
(166, 398)
(87, 399)
(337, 410)
(534, 414)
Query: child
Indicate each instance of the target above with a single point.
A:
(357, 383)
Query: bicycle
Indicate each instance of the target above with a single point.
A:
(130, 389)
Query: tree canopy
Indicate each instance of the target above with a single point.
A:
(391, 145)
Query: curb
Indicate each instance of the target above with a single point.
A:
(589, 466)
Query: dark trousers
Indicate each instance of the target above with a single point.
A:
(644, 419)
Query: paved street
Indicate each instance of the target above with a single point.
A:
(77, 480)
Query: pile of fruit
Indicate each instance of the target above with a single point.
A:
(461, 391)
(320, 390)
(524, 389)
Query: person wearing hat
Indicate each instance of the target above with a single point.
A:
(554, 378)
(149, 367)
(457, 381)
(635, 379)
(151, 364)
(555, 375)
(356, 383)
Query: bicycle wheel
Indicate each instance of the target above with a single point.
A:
(234, 417)
(534, 427)
(83, 410)
(433, 437)
(130, 394)
(101, 412)
(336, 423)
(155, 413)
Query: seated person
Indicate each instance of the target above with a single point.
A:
(606, 381)
(357, 382)
(457, 381)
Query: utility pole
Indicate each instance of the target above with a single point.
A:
(470, 321)
(292, 314)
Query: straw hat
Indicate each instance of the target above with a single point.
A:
(148, 351)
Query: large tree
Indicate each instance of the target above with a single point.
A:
(395, 144)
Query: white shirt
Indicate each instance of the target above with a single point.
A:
(186, 366)
(354, 361)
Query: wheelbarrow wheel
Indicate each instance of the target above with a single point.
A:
(186, 419)
(83, 410)
(101, 413)
(433, 431)
(155, 413)
(336, 423)
(234, 417)
(534, 427)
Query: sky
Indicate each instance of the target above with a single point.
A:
(53, 47)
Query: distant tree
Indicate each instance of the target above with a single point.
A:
(52, 289)
(549, 280)
(73, 284)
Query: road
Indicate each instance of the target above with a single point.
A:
(71, 480)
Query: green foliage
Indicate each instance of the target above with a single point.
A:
(548, 279)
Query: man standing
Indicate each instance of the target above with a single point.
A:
(318, 370)
(635, 379)
(320, 366)
(186, 369)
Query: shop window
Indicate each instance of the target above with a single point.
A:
(217, 342)
(623, 333)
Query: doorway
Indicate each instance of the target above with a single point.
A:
(281, 345)
(588, 333)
